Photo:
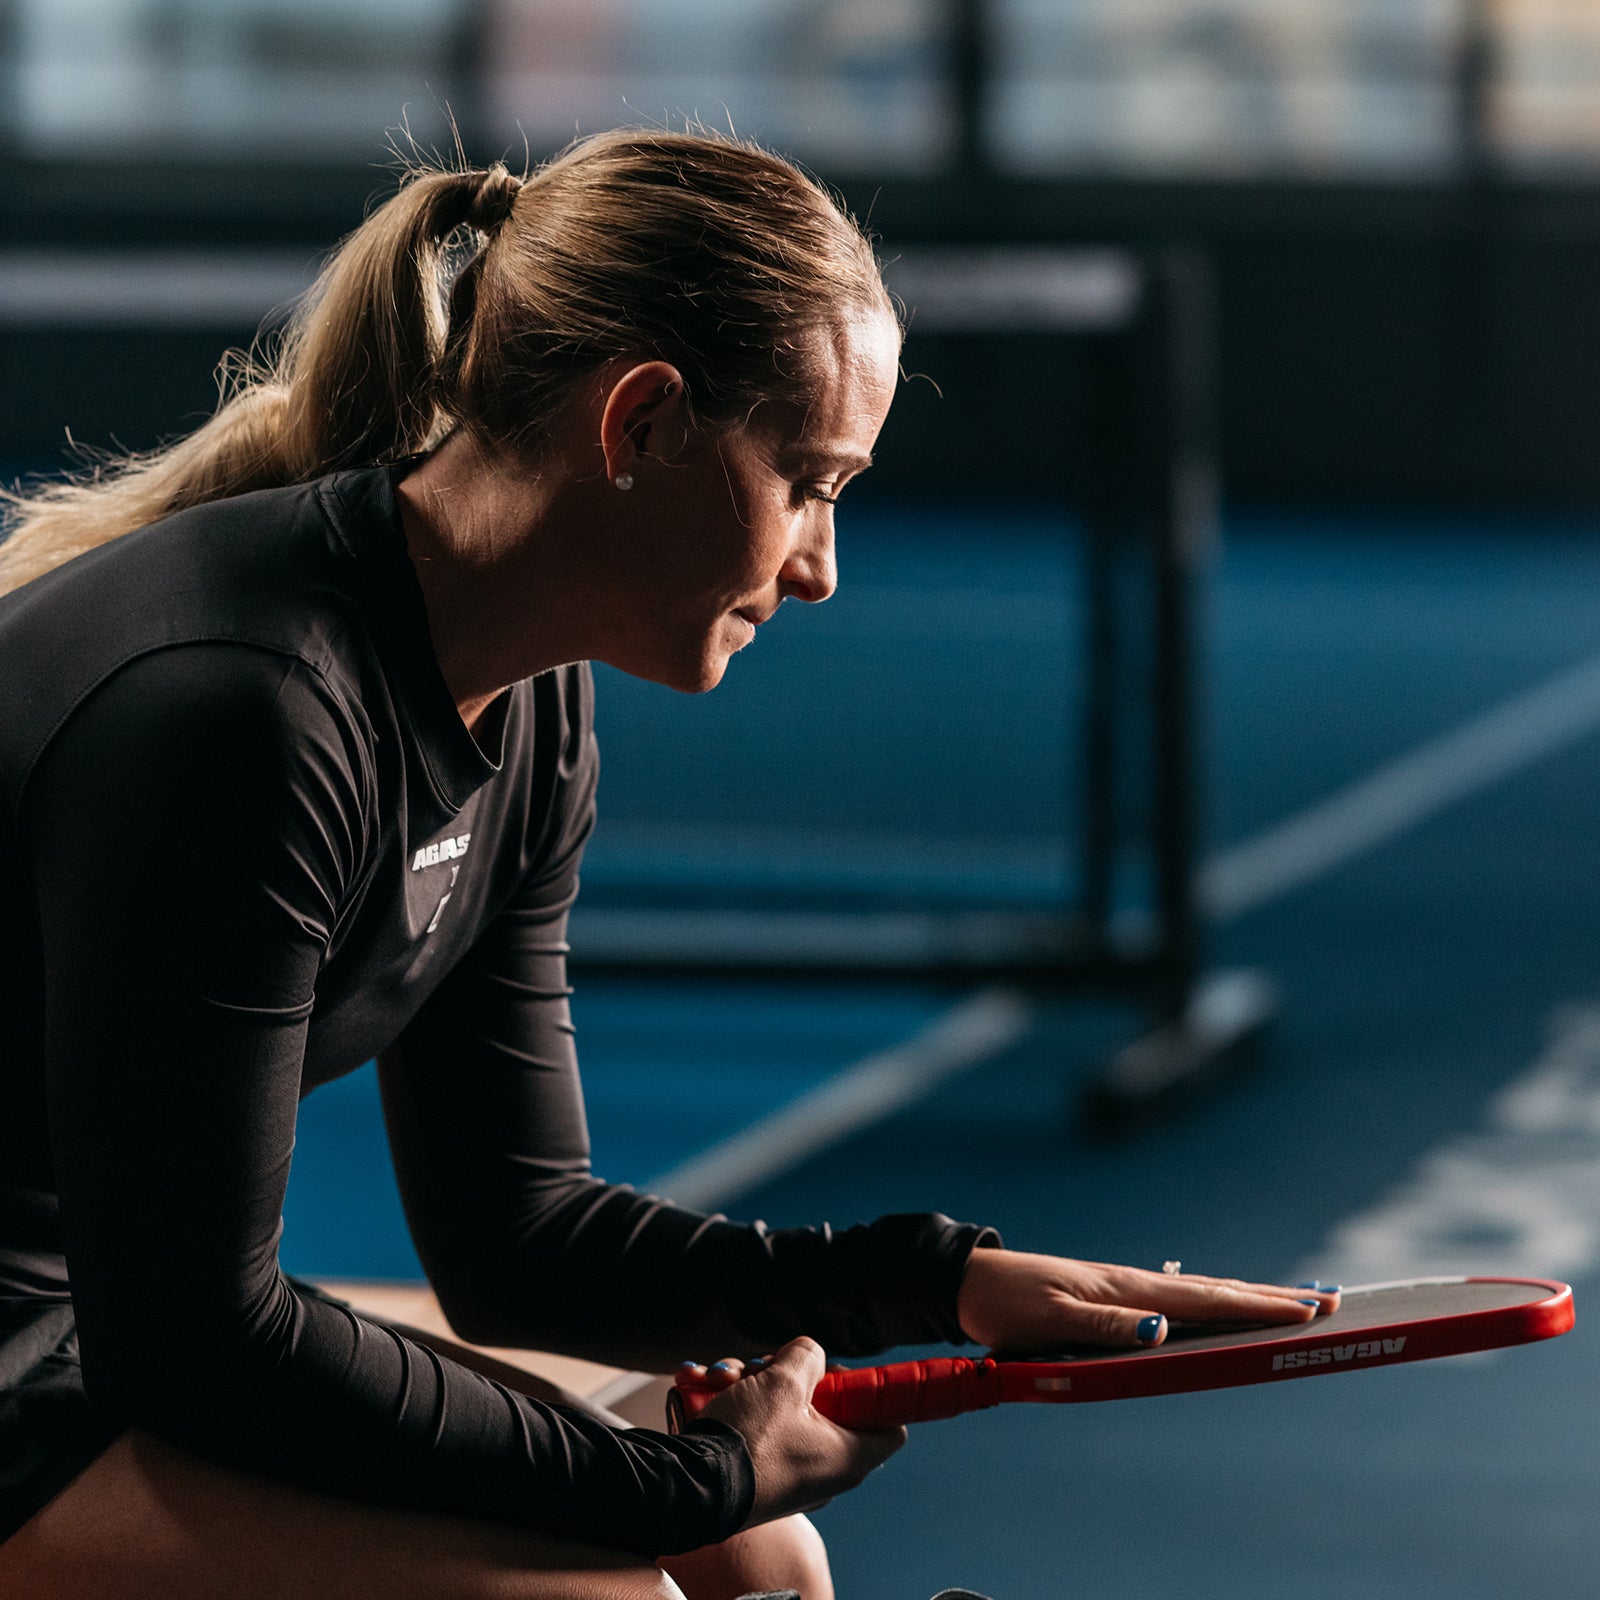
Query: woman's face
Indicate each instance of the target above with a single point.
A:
(726, 530)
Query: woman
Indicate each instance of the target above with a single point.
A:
(299, 772)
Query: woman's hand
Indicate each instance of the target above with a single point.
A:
(801, 1459)
(1017, 1302)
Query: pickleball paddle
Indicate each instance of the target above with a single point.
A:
(1378, 1325)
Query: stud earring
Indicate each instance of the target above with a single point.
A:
(624, 480)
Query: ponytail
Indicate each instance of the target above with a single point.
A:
(352, 380)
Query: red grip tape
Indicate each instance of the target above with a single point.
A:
(882, 1397)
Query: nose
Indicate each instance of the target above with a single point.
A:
(810, 573)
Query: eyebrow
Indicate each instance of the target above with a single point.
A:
(839, 460)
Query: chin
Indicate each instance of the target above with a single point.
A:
(695, 666)
(690, 677)
(709, 676)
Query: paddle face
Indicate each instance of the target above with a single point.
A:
(1377, 1325)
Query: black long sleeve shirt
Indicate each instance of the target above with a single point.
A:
(247, 843)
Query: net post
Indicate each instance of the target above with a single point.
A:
(1107, 472)
(1207, 1024)
(1180, 518)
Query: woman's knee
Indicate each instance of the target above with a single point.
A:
(787, 1554)
(618, 1580)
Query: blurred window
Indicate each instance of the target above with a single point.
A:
(854, 84)
(1226, 87)
(1163, 88)
(228, 78)
(844, 83)
(1546, 106)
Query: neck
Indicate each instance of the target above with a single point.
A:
(483, 544)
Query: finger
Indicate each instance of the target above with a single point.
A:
(1113, 1326)
(719, 1375)
(1228, 1300)
(1275, 1291)
(1195, 1297)
(1328, 1294)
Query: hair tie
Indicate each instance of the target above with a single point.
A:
(493, 199)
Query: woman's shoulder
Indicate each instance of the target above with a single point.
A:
(288, 567)
(257, 566)
(246, 610)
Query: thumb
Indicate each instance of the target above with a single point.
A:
(803, 1361)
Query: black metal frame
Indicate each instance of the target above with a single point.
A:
(1150, 503)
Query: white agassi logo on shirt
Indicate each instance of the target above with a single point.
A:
(430, 855)
(436, 855)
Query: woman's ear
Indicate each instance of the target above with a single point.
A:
(645, 417)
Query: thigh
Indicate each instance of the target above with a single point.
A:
(148, 1522)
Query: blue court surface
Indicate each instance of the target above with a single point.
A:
(1406, 714)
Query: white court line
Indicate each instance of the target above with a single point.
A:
(979, 1028)
(1519, 1196)
(1404, 793)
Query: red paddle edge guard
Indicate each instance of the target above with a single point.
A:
(926, 1391)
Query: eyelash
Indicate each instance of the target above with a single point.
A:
(810, 492)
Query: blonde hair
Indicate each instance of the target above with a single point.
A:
(701, 250)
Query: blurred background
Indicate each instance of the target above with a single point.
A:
(1396, 194)
(1305, 567)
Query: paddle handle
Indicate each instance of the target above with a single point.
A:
(875, 1397)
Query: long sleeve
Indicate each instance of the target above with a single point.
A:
(193, 834)
(525, 1246)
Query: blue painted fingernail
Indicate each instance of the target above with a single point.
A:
(1312, 1285)
(1332, 1288)
(722, 1366)
(1150, 1329)
(756, 1365)
(689, 1366)
(1316, 1305)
